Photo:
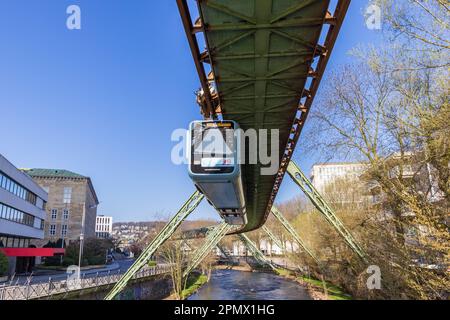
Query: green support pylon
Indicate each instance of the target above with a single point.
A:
(224, 252)
(310, 191)
(272, 237)
(169, 229)
(211, 241)
(290, 229)
(257, 254)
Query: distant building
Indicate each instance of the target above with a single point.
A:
(103, 227)
(22, 215)
(410, 167)
(72, 204)
(324, 174)
(127, 234)
(268, 247)
(239, 249)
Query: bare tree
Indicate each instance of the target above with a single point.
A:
(396, 120)
(174, 254)
(423, 26)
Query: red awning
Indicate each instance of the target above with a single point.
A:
(32, 252)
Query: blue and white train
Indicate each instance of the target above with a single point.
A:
(214, 166)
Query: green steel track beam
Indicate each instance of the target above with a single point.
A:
(290, 229)
(211, 241)
(319, 202)
(208, 110)
(168, 230)
(273, 237)
(324, 53)
(251, 246)
(224, 252)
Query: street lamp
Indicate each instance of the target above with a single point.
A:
(82, 232)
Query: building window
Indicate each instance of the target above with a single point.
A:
(52, 230)
(13, 187)
(9, 213)
(54, 214)
(67, 195)
(64, 230)
(66, 214)
(31, 198)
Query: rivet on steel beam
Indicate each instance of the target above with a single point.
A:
(329, 19)
(204, 57)
(312, 73)
(198, 26)
(307, 93)
(321, 50)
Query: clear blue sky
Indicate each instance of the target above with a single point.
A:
(103, 101)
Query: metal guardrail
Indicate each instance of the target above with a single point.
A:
(47, 289)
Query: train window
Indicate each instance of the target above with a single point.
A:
(213, 147)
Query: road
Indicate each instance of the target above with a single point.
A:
(118, 266)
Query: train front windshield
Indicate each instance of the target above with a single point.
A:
(213, 148)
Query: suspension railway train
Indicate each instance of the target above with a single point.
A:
(214, 154)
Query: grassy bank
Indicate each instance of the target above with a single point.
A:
(194, 282)
(332, 291)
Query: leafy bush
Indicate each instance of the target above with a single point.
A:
(3, 264)
(68, 261)
(94, 251)
(96, 260)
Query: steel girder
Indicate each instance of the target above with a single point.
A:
(290, 229)
(211, 241)
(224, 252)
(273, 237)
(208, 110)
(261, 54)
(335, 21)
(168, 230)
(322, 206)
(257, 254)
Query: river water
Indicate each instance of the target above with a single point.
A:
(238, 285)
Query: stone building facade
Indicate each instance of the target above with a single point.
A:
(70, 197)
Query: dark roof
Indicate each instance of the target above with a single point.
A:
(53, 173)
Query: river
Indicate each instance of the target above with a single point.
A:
(238, 285)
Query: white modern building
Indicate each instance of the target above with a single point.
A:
(22, 218)
(324, 174)
(270, 248)
(267, 247)
(103, 227)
